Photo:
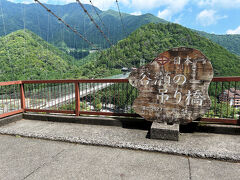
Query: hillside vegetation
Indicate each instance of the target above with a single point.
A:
(150, 40)
(24, 55)
(230, 41)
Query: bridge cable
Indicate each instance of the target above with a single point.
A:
(39, 54)
(124, 29)
(98, 15)
(48, 31)
(24, 30)
(72, 29)
(97, 26)
(67, 25)
(6, 40)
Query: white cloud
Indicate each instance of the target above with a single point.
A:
(208, 17)
(101, 4)
(137, 13)
(234, 31)
(219, 3)
(151, 4)
(165, 14)
(125, 2)
(24, 1)
(28, 2)
(172, 8)
(145, 4)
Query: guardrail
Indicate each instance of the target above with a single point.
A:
(109, 97)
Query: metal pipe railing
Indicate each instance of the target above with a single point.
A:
(109, 97)
(10, 98)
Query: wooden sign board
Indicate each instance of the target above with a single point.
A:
(173, 88)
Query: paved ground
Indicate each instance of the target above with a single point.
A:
(27, 158)
(204, 145)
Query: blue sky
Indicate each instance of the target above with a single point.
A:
(212, 16)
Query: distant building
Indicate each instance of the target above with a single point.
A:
(232, 96)
(93, 51)
(125, 69)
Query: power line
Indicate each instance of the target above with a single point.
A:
(67, 25)
(94, 22)
(124, 30)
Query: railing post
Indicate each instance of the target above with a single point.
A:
(77, 99)
(238, 121)
(22, 95)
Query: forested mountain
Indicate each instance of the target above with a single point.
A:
(24, 55)
(150, 40)
(38, 20)
(230, 41)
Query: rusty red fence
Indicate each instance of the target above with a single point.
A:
(225, 97)
(11, 99)
(109, 97)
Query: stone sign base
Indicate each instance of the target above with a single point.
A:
(164, 131)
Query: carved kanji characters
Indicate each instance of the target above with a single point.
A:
(178, 96)
(188, 98)
(197, 98)
(177, 60)
(164, 80)
(179, 79)
(144, 77)
(162, 97)
(167, 79)
(194, 98)
(188, 61)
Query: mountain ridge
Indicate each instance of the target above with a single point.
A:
(229, 41)
(45, 25)
(148, 41)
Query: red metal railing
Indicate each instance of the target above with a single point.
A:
(94, 97)
(109, 97)
(11, 98)
(224, 108)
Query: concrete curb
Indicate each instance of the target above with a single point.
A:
(138, 123)
(91, 120)
(129, 145)
(10, 119)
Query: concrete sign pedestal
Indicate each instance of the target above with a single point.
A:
(164, 131)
